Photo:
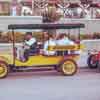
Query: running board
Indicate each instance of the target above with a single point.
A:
(32, 69)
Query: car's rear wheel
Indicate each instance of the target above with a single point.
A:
(68, 67)
(92, 62)
(3, 69)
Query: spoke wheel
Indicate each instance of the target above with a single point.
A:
(68, 67)
(3, 70)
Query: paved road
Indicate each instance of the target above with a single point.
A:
(85, 85)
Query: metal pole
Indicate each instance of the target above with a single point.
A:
(69, 33)
(79, 37)
(79, 34)
(32, 7)
(13, 47)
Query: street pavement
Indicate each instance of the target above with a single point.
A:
(85, 85)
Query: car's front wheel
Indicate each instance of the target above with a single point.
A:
(3, 69)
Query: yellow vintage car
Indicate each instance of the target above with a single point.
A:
(66, 64)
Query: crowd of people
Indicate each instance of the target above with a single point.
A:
(20, 9)
(78, 10)
(66, 10)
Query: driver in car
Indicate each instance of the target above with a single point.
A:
(29, 45)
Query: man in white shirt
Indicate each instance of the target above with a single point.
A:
(49, 42)
(28, 46)
(26, 10)
(29, 39)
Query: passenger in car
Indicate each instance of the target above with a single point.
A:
(63, 40)
(50, 41)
